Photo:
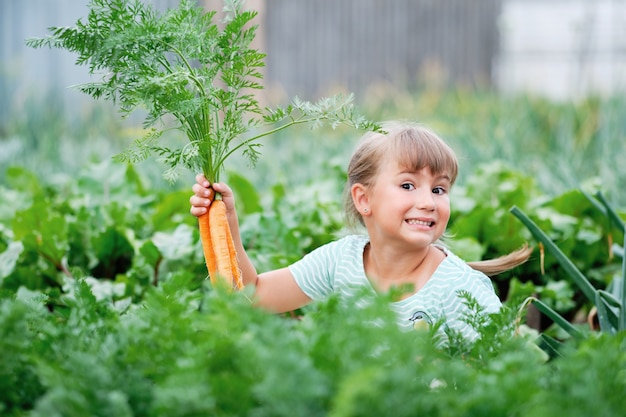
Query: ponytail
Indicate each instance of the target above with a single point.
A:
(503, 263)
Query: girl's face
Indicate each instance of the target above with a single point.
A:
(412, 208)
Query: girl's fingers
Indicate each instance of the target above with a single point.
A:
(199, 205)
(227, 195)
(222, 188)
(202, 181)
(198, 211)
(200, 191)
(203, 193)
(197, 201)
(201, 198)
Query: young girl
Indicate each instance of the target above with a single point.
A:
(398, 189)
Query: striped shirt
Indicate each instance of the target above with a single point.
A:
(337, 267)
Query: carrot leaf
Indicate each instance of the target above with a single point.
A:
(190, 73)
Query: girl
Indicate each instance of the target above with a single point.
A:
(398, 189)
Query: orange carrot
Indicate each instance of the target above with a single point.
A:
(207, 245)
(218, 246)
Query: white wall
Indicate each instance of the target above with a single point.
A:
(562, 48)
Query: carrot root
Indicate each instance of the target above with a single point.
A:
(207, 246)
(218, 246)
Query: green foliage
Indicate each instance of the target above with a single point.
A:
(103, 304)
(186, 351)
(610, 305)
(181, 64)
(108, 226)
(562, 145)
(102, 225)
(482, 227)
(293, 224)
(151, 339)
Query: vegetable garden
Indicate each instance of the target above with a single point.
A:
(106, 309)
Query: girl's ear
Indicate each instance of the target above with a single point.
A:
(360, 198)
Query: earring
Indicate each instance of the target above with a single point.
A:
(365, 210)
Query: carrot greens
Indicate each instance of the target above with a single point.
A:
(187, 72)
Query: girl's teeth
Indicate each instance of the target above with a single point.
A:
(420, 222)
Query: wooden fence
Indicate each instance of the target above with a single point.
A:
(312, 45)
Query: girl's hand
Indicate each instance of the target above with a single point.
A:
(202, 196)
(276, 291)
(203, 193)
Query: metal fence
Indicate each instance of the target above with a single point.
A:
(311, 45)
(316, 45)
(572, 46)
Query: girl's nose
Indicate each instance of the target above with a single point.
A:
(425, 200)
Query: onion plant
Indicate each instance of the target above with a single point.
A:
(609, 302)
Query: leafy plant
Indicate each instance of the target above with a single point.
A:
(190, 351)
(610, 302)
(180, 64)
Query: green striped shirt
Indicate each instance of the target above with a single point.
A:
(337, 267)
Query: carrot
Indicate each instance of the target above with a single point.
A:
(218, 246)
(207, 245)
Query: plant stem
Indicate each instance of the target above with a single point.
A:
(622, 316)
(293, 122)
(577, 276)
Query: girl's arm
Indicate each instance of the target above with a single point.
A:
(277, 290)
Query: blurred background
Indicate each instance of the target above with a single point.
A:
(537, 84)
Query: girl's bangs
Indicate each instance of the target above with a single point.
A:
(416, 150)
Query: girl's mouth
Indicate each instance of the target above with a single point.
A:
(420, 222)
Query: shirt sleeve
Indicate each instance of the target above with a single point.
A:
(486, 295)
(314, 273)
(480, 287)
(482, 290)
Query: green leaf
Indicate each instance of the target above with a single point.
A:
(609, 299)
(557, 294)
(176, 244)
(558, 319)
(619, 223)
(43, 231)
(246, 194)
(9, 258)
(574, 203)
(520, 290)
(622, 317)
(113, 251)
(497, 185)
(569, 267)
(151, 253)
(550, 345)
(612, 214)
(172, 209)
(22, 179)
(190, 74)
(606, 317)
(467, 248)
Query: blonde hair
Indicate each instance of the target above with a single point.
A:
(412, 145)
(415, 148)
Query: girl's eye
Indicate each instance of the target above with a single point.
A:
(439, 190)
(408, 186)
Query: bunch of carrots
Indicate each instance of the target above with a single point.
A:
(185, 69)
(218, 247)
